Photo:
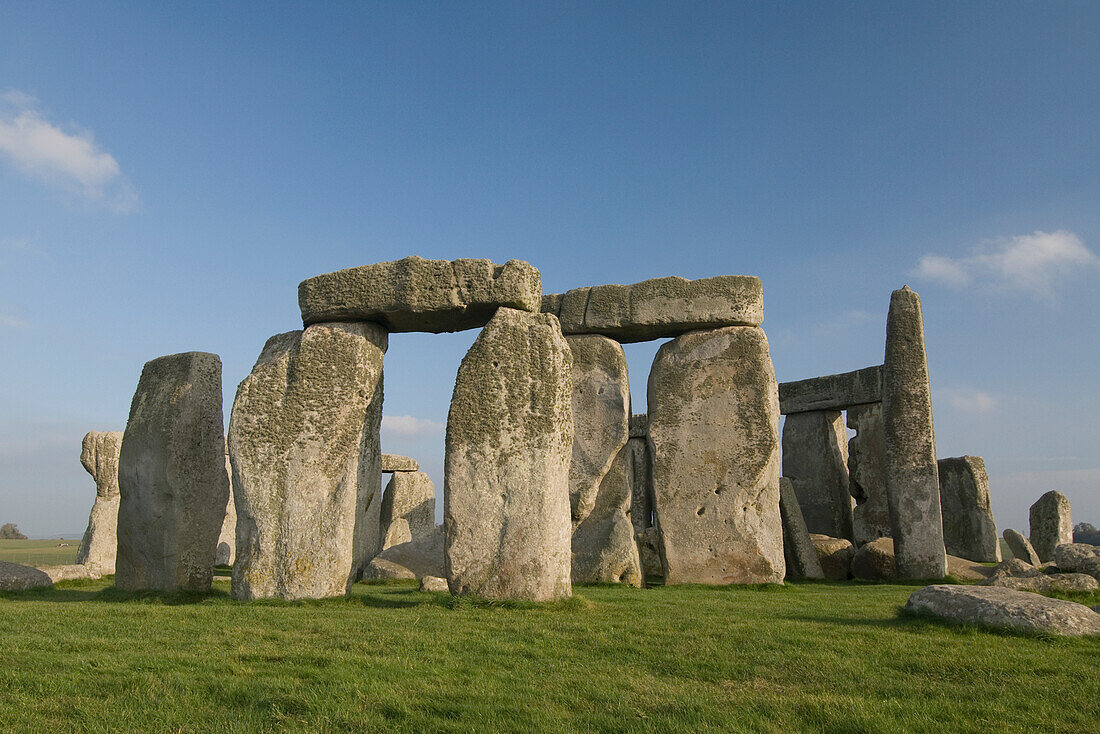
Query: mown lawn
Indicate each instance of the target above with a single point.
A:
(39, 552)
(805, 657)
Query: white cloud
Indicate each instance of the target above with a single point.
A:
(70, 158)
(969, 401)
(12, 322)
(1031, 262)
(407, 426)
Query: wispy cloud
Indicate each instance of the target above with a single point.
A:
(969, 401)
(406, 426)
(68, 158)
(1033, 263)
(12, 322)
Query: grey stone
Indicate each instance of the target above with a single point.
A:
(227, 539)
(815, 459)
(509, 442)
(639, 425)
(71, 572)
(604, 547)
(659, 308)
(396, 463)
(831, 392)
(1051, 524)
(835, 555)
(912, 479)
(408, 508)
(649, 552)
(1021, 547)
(1045, 583)
(968, 527)
(433, 584)
(798, 549)
(867, 473)
(16, 577)
(874, 561)
(303, 439)
(171, 475)
(1004, 609)
(966, 570)
(714, 438)
(1078, 557)
(99, 456)
(412, 559)
(414, 294)
(646, 535)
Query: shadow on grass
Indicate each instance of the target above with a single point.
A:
(111, 595)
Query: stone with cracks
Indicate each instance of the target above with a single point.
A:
(798, 549)
(509, 442)
(1080, 557)
(646, 534)
(412, 559)
(1051, 524)
(408, 508)
(714, 439)
(414, 294)
(227, 539)
(604, 546)
(867, 473)
(874, 561)
(99, 456)
(1045, 583)
(16, 577)
(831, 392)
(171, 476)
(433, 584)
(835, 556)
(990, 606)
(396, 463)
(815, 459)
(1021, 547)
(912, 479)
(303, 439)
(968, 527)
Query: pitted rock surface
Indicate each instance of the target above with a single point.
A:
(1002, 608)
(867, 473)
(815, 460)
(408, 508)
(968, 527)
(1051, 524)
(99, 456)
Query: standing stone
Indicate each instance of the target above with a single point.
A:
(798, 549)
(99, 455)
(968, 527)
(171, 476)
(303, 438)
(506, 513)
(867, 473)
(815, 459)
(1021, 547)
(1051, 524)
(604, 548)
(646, 534)
(714, 438)
(227, 539)
(912, 480)
(408, 508)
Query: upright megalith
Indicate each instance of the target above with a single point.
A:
(506, 515)
(408, 508)
(604, 548)
(303, 439)
(99, 456)
(714, 437)
(867, 473)
(798, 548)
(912, 480)
(1051, 524)
(227, 539)
(171, 476)
(646, 534)
(815, 459)
(1021, 547)
(968, 528)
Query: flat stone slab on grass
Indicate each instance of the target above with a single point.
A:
(996, 607)
(414, 294)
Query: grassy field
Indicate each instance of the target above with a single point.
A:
(39, 552)
(805, 657)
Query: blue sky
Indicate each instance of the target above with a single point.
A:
(168, 174)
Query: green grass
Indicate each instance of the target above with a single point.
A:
(39, 552)
(388, 658)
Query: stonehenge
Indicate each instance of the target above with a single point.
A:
(815, 460)
(99, 456)
(867, 473)
(1051, 524)
(968, 527)
(799, 551)
(408, 507)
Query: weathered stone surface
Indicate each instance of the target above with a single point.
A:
(646, 535)
(227, 539)
(414, 294)
(1045, 583)
(867, 473)
(912, 479)
(714, 438)
(815, 459)
(16, 577)
(659, 308)
(1051, 524)
(433, 584)
(171, 475)
(408, 508)
(413, 559)
(396, 463)
(1078, 557)
(649, 552)
(303, 438)
(69, 572)
(874, 561)
(1021, 547)
(639, 425)
(1005, 609)
(831, 392)
(99, 456)
(1014, 567)
(835, 555)
(968, 527)
(509, 442)
(966, 570)
(604, 548)
(799, 551)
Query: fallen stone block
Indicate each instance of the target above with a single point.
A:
(433, 584)
(413, 559)
(1002, 608)
(17, 577)
(1021, 547)
(835, 556)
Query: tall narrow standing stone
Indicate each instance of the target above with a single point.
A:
(646, 535)
(171, 475)
(1051, 524)
(815, 459)
(912, 479)
(798, 548)
(714, 436)
(227, 539)
(867, 473)
(303, 439)
(506, 515)
(968, 528)
(99, 455)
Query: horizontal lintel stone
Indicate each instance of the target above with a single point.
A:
(832, 392)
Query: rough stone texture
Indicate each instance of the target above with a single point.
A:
(835, 556)
(874, 561)
(408, 508)
(646, 535)
(1051, 524)
(303, 438)
(799, 551)
(1078, 557)
(831, 392)
(1021, 547)
(604, 548)
(639, 425)
(16, 577)
(1045, 583)
(649, 552)
(433, 584)
(414, 294)
(912, 479)
(867, 473)
(966, 570)
(714, 438)
(659, 308)
(1005, 609)
(509, 442)
(413, 559)
(227, 539)
(171, 475)
(69, 572)
(396, 463)
(815, 459)
(968, 527)
(99, 456)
